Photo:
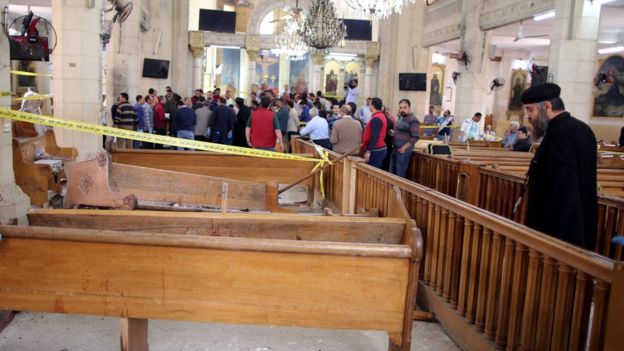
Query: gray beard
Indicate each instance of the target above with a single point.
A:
(540, 125)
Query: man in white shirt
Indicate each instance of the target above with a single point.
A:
(470, 128)
(318, 129)
(364, 113)
(352, 92)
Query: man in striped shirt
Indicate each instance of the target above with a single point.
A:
(125, 118)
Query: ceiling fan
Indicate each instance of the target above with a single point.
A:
(296, 13)
(520, 34)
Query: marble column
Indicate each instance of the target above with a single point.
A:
(372, 54)
(572, 60)
(252, 55)
(13, 202)
(123, 57)
(470, 85)
(182, 60)
(77, 67)
(196, 41)
(315, 82)
(284, 73)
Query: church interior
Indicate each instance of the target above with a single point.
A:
(172, 242)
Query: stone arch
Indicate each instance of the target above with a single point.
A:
(263, 8)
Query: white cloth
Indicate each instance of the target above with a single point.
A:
(32, 106)
(317, 128)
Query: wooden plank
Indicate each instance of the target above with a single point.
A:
(217, 165)
(203, 284)
(455, 325)
(274, 226)
(133, 334)
(158, 185)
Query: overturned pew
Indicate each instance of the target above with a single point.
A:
(101, 183)
(284, 270)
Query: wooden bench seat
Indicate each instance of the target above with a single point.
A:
(36, 179)
(349, 280)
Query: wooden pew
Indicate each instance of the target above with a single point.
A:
(346, 279)
(98, 182)
(35, 178)
(261, 170)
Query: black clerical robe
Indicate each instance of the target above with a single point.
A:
(562, 183)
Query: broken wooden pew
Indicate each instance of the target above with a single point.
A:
(38, 165)
(367, 283)
(98, 182)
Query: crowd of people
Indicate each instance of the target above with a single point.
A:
(268, 121)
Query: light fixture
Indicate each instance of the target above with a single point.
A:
(611, 50)
(544, 15)
(438, 58)
(289, 42)
(322, 29)
(380, 9)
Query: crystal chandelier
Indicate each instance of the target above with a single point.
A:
(289, 41)
(379, 9)
(322, 29)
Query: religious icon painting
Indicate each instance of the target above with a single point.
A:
(609, 83)
(436, 86)
(518, 84)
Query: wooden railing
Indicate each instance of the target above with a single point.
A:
(497, 191)
(494, 283)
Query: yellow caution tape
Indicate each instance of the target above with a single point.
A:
(5, 93)
(30, 74)
(324, 160)
(33, 97)
(151, 138)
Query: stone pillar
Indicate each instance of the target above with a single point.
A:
(470, 89)
(182, 60)
(13, 202)
(196, 41)
(284, 73)
(77, 66)
(315, 82)
(123, 55)
(572, 60)
(372, 54)
(252, 44)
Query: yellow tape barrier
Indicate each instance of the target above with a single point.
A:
(30, 74)
(33, 97)
(5, 93)
(152, 138)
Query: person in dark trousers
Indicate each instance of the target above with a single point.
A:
(405, 137)
(185, 121)
(374, 134)
(562, 199)
(222, 123)
(523, 143)
(244, 112)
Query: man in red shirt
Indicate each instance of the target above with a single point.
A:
(263, 128)
(374, 134)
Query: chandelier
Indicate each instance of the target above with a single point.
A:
(289, 42)
(322, 29)
(380, 9)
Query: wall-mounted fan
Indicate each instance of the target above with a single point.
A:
(496, 84)
(455, 76)
(31, 38)
(463, 57)
(520, 34)
(122, 8)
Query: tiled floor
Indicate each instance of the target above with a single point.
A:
(55, 332)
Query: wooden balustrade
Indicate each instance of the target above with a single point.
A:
(494, 283)
(519, 288)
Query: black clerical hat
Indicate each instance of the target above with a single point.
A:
(540, 92)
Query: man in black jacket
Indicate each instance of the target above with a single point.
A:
(562, 175)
